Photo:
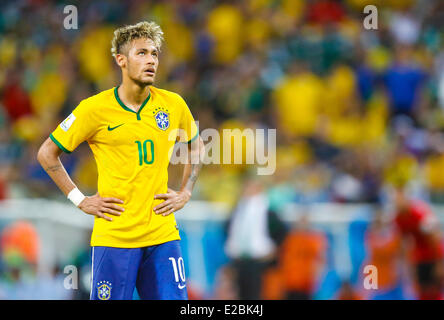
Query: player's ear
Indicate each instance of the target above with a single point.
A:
(120, 60)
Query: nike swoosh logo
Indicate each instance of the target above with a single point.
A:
(111, 129)
(181, 286)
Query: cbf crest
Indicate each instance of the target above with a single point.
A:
(104, 290)
(162, 117)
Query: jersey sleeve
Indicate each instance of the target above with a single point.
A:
(188, 130)
(75, 129)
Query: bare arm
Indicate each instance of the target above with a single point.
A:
(176, 200)
(192, 168)
(49, 158)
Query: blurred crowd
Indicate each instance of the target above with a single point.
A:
(355, 110)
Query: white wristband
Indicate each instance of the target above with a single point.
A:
(76, 196)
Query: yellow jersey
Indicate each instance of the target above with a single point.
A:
(132, 151)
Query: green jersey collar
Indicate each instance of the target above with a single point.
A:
(116, 94)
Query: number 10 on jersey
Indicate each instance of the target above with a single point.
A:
(143, 152)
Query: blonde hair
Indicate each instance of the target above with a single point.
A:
(126, 34)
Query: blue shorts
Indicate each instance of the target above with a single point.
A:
(157, 272)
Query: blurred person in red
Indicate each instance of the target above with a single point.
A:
(422, 242)
(383, 244)
(302, 257)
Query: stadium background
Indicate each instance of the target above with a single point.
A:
(356, 111)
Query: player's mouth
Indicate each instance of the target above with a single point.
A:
(150, 72)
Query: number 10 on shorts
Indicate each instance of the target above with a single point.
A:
(179, 270)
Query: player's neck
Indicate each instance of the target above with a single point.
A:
(132, 94)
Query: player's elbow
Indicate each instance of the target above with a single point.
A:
(46, 153)
(42, 154)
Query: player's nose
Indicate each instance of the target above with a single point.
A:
(151, 60)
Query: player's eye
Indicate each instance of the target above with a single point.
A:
(155, 54)
(141, 53)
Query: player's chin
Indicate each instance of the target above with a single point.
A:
(147, 80)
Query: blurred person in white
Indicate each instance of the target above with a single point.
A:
(254, 233)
